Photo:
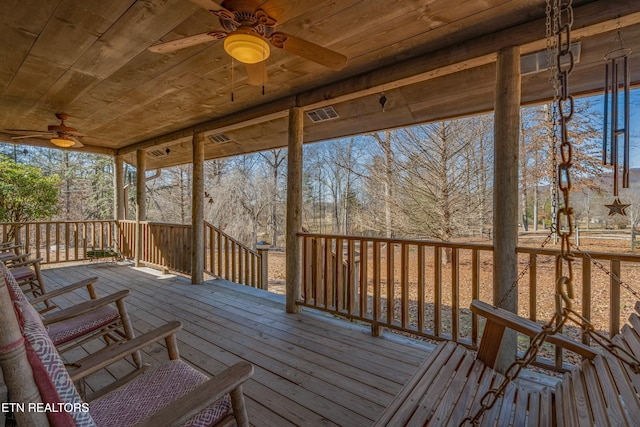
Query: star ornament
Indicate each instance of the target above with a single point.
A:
(617, 208)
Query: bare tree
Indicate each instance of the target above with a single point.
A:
(275, 161)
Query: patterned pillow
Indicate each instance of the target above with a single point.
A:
(51, 377)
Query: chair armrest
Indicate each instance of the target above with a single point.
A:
(22, 260)
(83, 308)
(506, 319)
(115, 352)
(192, 403)
(17, 258)
(69, 288)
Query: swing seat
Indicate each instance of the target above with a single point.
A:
(449, 385)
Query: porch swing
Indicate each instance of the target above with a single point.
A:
(455, 388)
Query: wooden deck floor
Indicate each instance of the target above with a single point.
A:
(310, 369)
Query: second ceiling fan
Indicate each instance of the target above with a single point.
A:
(248, 31)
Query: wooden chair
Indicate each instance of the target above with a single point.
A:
(27, 273)
(68, 328)
(171, 395)
(450, 384)
(8, 250)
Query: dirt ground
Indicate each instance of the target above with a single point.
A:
(545, 303)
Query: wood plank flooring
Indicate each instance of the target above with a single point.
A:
(310, 369)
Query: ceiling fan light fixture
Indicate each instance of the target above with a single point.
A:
(62, 141)
(246, 46)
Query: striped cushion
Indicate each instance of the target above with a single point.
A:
(67, 330)
(50, 371)
(152, 391)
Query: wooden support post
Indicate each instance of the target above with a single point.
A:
(505, 192)
(264, 268)
(294, 209)
(141, 201)
(197, 211)
(118, 197)
(118, 188)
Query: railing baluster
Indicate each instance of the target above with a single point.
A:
(475, 293)
(75, 240)
(351, 282)
(57, 241)
(318, 288)
(437, 289)
(328, 274)
(404, 284)
(455, 294)
(614, 320)
(421, 287)
(533, 286)
(364, 279)
(586, 296)
(391, 301)
(338, 267)
(377, 303)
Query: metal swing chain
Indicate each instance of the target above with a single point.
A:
(562, 22)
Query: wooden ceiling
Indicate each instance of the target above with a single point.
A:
(432, 59)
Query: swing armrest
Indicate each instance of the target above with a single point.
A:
(498, 319)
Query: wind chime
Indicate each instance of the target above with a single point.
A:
(615, 143)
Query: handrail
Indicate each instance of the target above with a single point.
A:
(379, 281)
(228, 258)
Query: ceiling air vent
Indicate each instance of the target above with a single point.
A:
(158, 153)
(539, 61)
(219, 138)
(322, 114)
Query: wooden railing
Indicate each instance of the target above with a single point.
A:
(168, 246)
(165, 246)
(426, 287)
(61, 241)
(228, 258)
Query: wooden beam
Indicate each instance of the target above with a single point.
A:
(593, 18)
(197, 211)
(505, 192)
(294, 209)
(251, 116)
(141, 200)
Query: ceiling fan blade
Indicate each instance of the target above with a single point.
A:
(311, 51)
(256, 73)
(35, 135)
(78, 144)
(27, 130)
(181, 43)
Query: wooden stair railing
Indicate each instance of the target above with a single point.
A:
(450, 384)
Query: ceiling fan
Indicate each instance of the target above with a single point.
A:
(248, 30)
(59, 135)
